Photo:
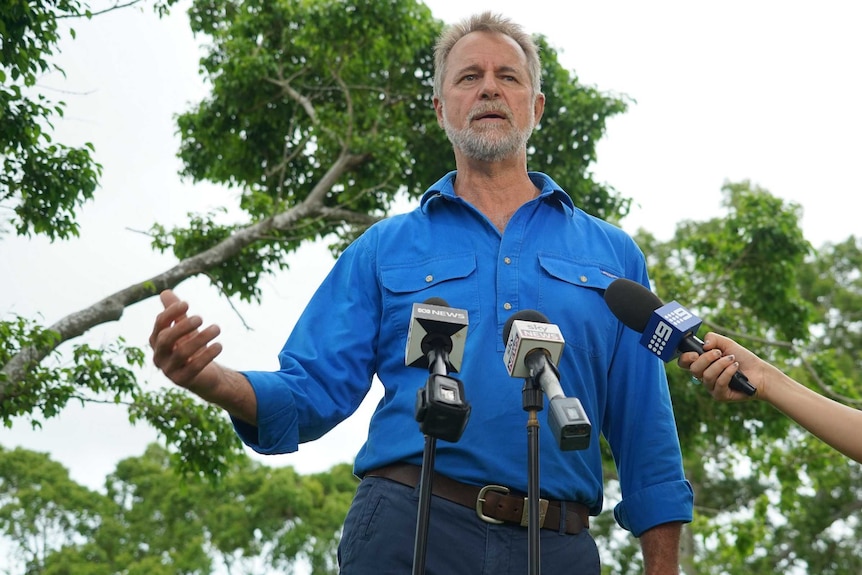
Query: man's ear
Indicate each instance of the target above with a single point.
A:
(539, 107)
(438, 109)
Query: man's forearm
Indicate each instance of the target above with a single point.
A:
(660, 546)
(232, 392)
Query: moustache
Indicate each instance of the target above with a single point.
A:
(485, 109)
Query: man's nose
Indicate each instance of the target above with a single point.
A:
(490, 88)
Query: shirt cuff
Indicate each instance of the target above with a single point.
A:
(277, 429)
(655, 505)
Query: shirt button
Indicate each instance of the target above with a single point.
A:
(583, 279)
(507, 260)
(429, 278)
(507, 306)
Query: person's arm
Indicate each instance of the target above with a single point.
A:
(836, 424)
(185, 353)
(660, 547)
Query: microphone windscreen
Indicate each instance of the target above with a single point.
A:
(632, 303)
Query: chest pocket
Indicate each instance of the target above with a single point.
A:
(453, 278)
(575, 291)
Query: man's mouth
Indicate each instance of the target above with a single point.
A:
(491, 116)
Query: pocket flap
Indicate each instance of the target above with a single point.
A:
(416, 276)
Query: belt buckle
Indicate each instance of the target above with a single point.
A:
(480, 502)
(543, 510)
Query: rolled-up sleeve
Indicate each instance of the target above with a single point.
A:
(327, 364)
(641, 431)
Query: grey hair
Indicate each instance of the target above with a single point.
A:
(486, 22)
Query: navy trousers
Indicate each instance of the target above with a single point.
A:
(380, 532)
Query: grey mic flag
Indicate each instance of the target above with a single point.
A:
(433, 327)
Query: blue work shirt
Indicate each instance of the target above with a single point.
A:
(552, 257)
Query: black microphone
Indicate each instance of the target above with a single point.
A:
(533, 348)
(435, 340)
(667, 329)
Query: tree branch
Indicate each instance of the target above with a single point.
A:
(100, 12)
(112, 307)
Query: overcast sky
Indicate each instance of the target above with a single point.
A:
(767, 91)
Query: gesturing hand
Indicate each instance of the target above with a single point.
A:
(181, 349)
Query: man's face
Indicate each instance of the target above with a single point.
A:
(490, 109)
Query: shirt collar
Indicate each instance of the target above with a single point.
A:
(443, 188)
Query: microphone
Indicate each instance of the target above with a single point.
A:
(435, 340)
(437, 334)
(533, 347)
(667, 329)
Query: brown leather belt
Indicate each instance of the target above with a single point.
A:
(492, 503)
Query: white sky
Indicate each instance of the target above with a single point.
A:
(768, 91)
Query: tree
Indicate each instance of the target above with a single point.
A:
(41, 509)
(320, 115)
(43, 182)
(154, 520)
(769, 497)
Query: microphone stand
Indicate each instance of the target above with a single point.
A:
(533, 402)
(442, 413)
(420, 545)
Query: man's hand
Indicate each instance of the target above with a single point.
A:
(182, 350)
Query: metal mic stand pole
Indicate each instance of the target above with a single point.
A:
(441, 411)
(421, 543)
(533, 401)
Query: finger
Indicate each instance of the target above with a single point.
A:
(686, 359)
(174, 312)
(722, 384)
(717, 376)
(189, 355)
(184, 375)
(168, 297)
(703, 362)
(709, 341)
(165, 340)
(193, 342)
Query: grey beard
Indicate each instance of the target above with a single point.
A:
(487, 146)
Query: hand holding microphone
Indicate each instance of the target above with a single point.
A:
(667, 329)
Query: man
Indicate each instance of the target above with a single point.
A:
(491, 238)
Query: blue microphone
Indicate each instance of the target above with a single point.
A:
(666, 329)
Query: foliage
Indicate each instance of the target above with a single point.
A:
(154, 519)
(91, 374)
(769, 497)
(565, 144)
(299, 88)
(40, 507)
(42, 182)
(320, 116)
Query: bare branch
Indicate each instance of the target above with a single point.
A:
(303, 101)
(100, 12)
(112, 307)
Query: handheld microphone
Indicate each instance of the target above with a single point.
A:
(666, 329)
(435, 340)
(533, 347)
